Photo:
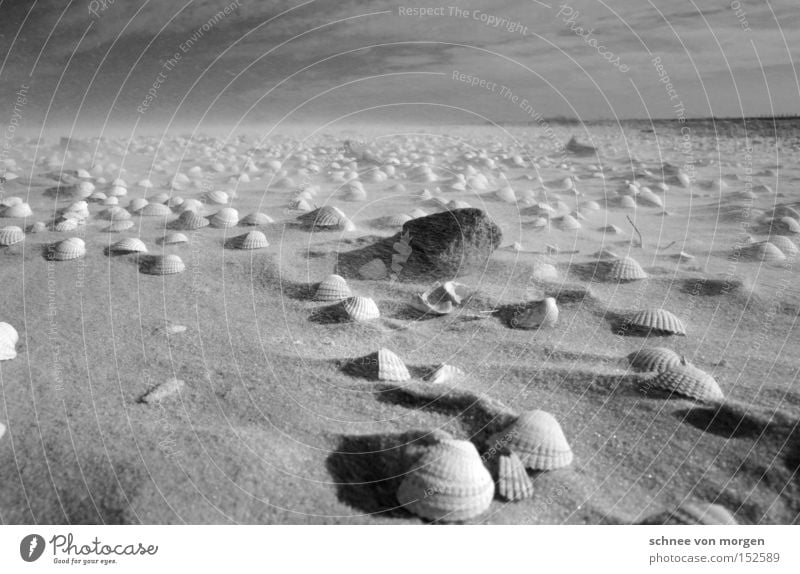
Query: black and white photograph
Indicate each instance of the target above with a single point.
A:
(521, 270)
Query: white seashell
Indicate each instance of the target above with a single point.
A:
(654, 359)
(361, 308)
(217, 197)
(391, 367)
(162, 391)
(687, 380)
(765, 251)
(115, 213)
(513, 482)
(784, 244)
(119, 226)
(449, 483)
(256, 218)
(444, 374)
(173, 239)
(249, 240)
(155, 210)
(189, 220)
(542, 314)
(37, 227)
(18, 211)
(224, 218)
(117, 191)
(568, 223)
(333, 288)
(8, 342)
(67, 250)
(128, 245)
(11, 235)
(537, 439)
(658, 321)
(626, 269)
(162, 265)
(326, 217)
(136, 204)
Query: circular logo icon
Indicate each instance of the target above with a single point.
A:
(31, 547)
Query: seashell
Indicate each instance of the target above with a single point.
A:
(612, 229)
(626, 201)
(67, 250)
(326, 217)
(189, 220)
(690, 513)
(506, 194)
(626, 269)
(537, 439)
(397, 220)
(448, 483)
(115, 213)
(119, 226)
(37, 227)
(333, 288)
(65, 224)
(224, 218)
(128, 245)
(193, 205)
(784, 244)
(391, 367)
(659, 321)
(765, 251)
(117, 191)
(217, 197)
(175, 201)
(786, 224)
(568, 223)
(654, 359)
(162, 265)
(374, 269)
(417, 213)
(513, 482)
(687, 380)
(256, 218)
(98, 197)
(155, 210)
(360, 308)
(458, 204)
(10, 202)
(11, 235)
(249, 240)
(444, 374)
(137, 204)
(173, 239)
(542, 314)
(162, 391)
(8, 342)
(647, 197)
(18, 211)
(162, 197)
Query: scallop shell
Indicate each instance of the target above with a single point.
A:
(653, 360)
(537, 439)
(249, 240)
(137, 203)
(626, 269)
(568, 223)
(18, 211)
(391, 367)
(326, 217)
(115, 213)
(784, 244)
(65, 224)
(256, 218)
(128, 245)
(8, 342)
(162, 391)
(11, 235)
(444, 374)
(162, 265)
(424, 303)
(361, 308)
(767, 252)
(659, 321)
(217, 197)
(448, 483)
(647, 197)
(333, 288)
(162, 197)
(695, 513)
(513, 482)
(155, 210)
(119, 226)
(225, 217)
(37, 227)
(687, 380)
(67, 250)
(173, 239)
(543, 314)
(189, 220)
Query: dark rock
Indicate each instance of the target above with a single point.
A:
(451, 243)
(579, 149)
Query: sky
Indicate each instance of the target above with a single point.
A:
(94, 64)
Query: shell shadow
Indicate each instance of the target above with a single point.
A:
(480, 417)
(710, 287)
(329, 315)
(297, 290)
(349, 263)
(368, 469)
(590, 271)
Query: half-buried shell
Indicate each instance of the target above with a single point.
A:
(128, 245)
(11, 235)
(391, 367)
(249, 240)
(224, 218)
(162, 265)
(360, 309)
(449, 483)
(256, 218)
(119, 226)
(189, 221)
(537, 439)
(687, 380)
(656, 321)
(542, 314)
(67, 250)
(8, 342)
(626, 269)
(333, 288)
(653, 360)
(513, 482)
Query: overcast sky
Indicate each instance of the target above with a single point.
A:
(366, 61)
